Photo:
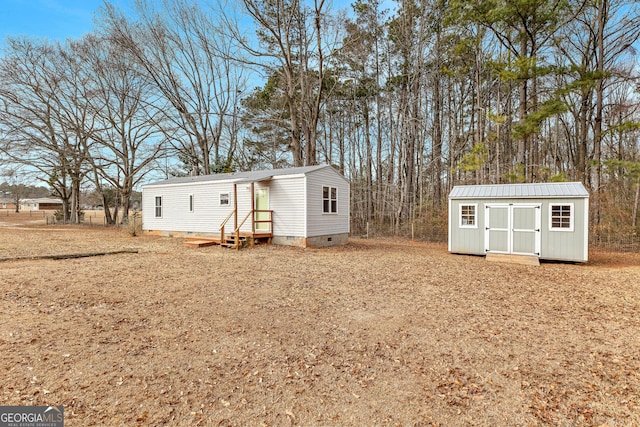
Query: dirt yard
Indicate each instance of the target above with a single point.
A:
(372, 333)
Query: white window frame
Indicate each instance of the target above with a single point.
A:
(572, 214)
(333, 203)
(475, 216)
(228, 199)
(157, 206)
(191, 204)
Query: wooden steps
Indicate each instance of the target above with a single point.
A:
(230, 241)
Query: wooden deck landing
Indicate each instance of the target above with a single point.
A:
(200, 242)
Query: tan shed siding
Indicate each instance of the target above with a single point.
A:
(319, 223)
(565, 245)
(466, 240)
(555, 245)
(286, 200)
(207, 213)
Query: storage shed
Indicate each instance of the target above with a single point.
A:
(546, 220)
(303, 206)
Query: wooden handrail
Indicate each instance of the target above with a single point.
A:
(224, 223)
(255, 220)
(262, 221)
(253, 231)
(237, 230)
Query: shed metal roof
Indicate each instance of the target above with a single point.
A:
(517, 191)
(250, 176)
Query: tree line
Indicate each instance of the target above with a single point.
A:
(406, 100)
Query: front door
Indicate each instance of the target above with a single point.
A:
(262, 204)
(513, 228)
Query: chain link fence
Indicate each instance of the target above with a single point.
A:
(415, 231)
(438, 234)
(615, 242)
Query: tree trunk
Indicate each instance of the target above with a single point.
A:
(521, 159)
(436, 151)
(597, 129)
(636, 202)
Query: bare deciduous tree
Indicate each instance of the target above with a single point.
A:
(182, 51)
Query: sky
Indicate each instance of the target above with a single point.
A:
(60, 19)
(52, 19)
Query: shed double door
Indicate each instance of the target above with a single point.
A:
(512, 228)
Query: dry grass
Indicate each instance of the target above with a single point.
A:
(372, 333)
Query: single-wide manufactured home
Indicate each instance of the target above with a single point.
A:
(545, 220)
(41, 204)
(303, 206)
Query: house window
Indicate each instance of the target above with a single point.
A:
(190, 202)
(561, 217)
(468, 216)
(224, 199)
(158, 206)
(329, 199)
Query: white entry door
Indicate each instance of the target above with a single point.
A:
(513, 228)
(262, 204)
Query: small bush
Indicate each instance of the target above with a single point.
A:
(134, 224)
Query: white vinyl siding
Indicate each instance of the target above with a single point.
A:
(287, 201)
(319, 223)
(295, 199)
(205, 218)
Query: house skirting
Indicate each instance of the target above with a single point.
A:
(311, 242)
(165, 233)
(303, 242)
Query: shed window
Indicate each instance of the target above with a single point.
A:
(468, 216)
(190, 202)
(224, 199)
(561, 217)
(329, 199)
(158, 206)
